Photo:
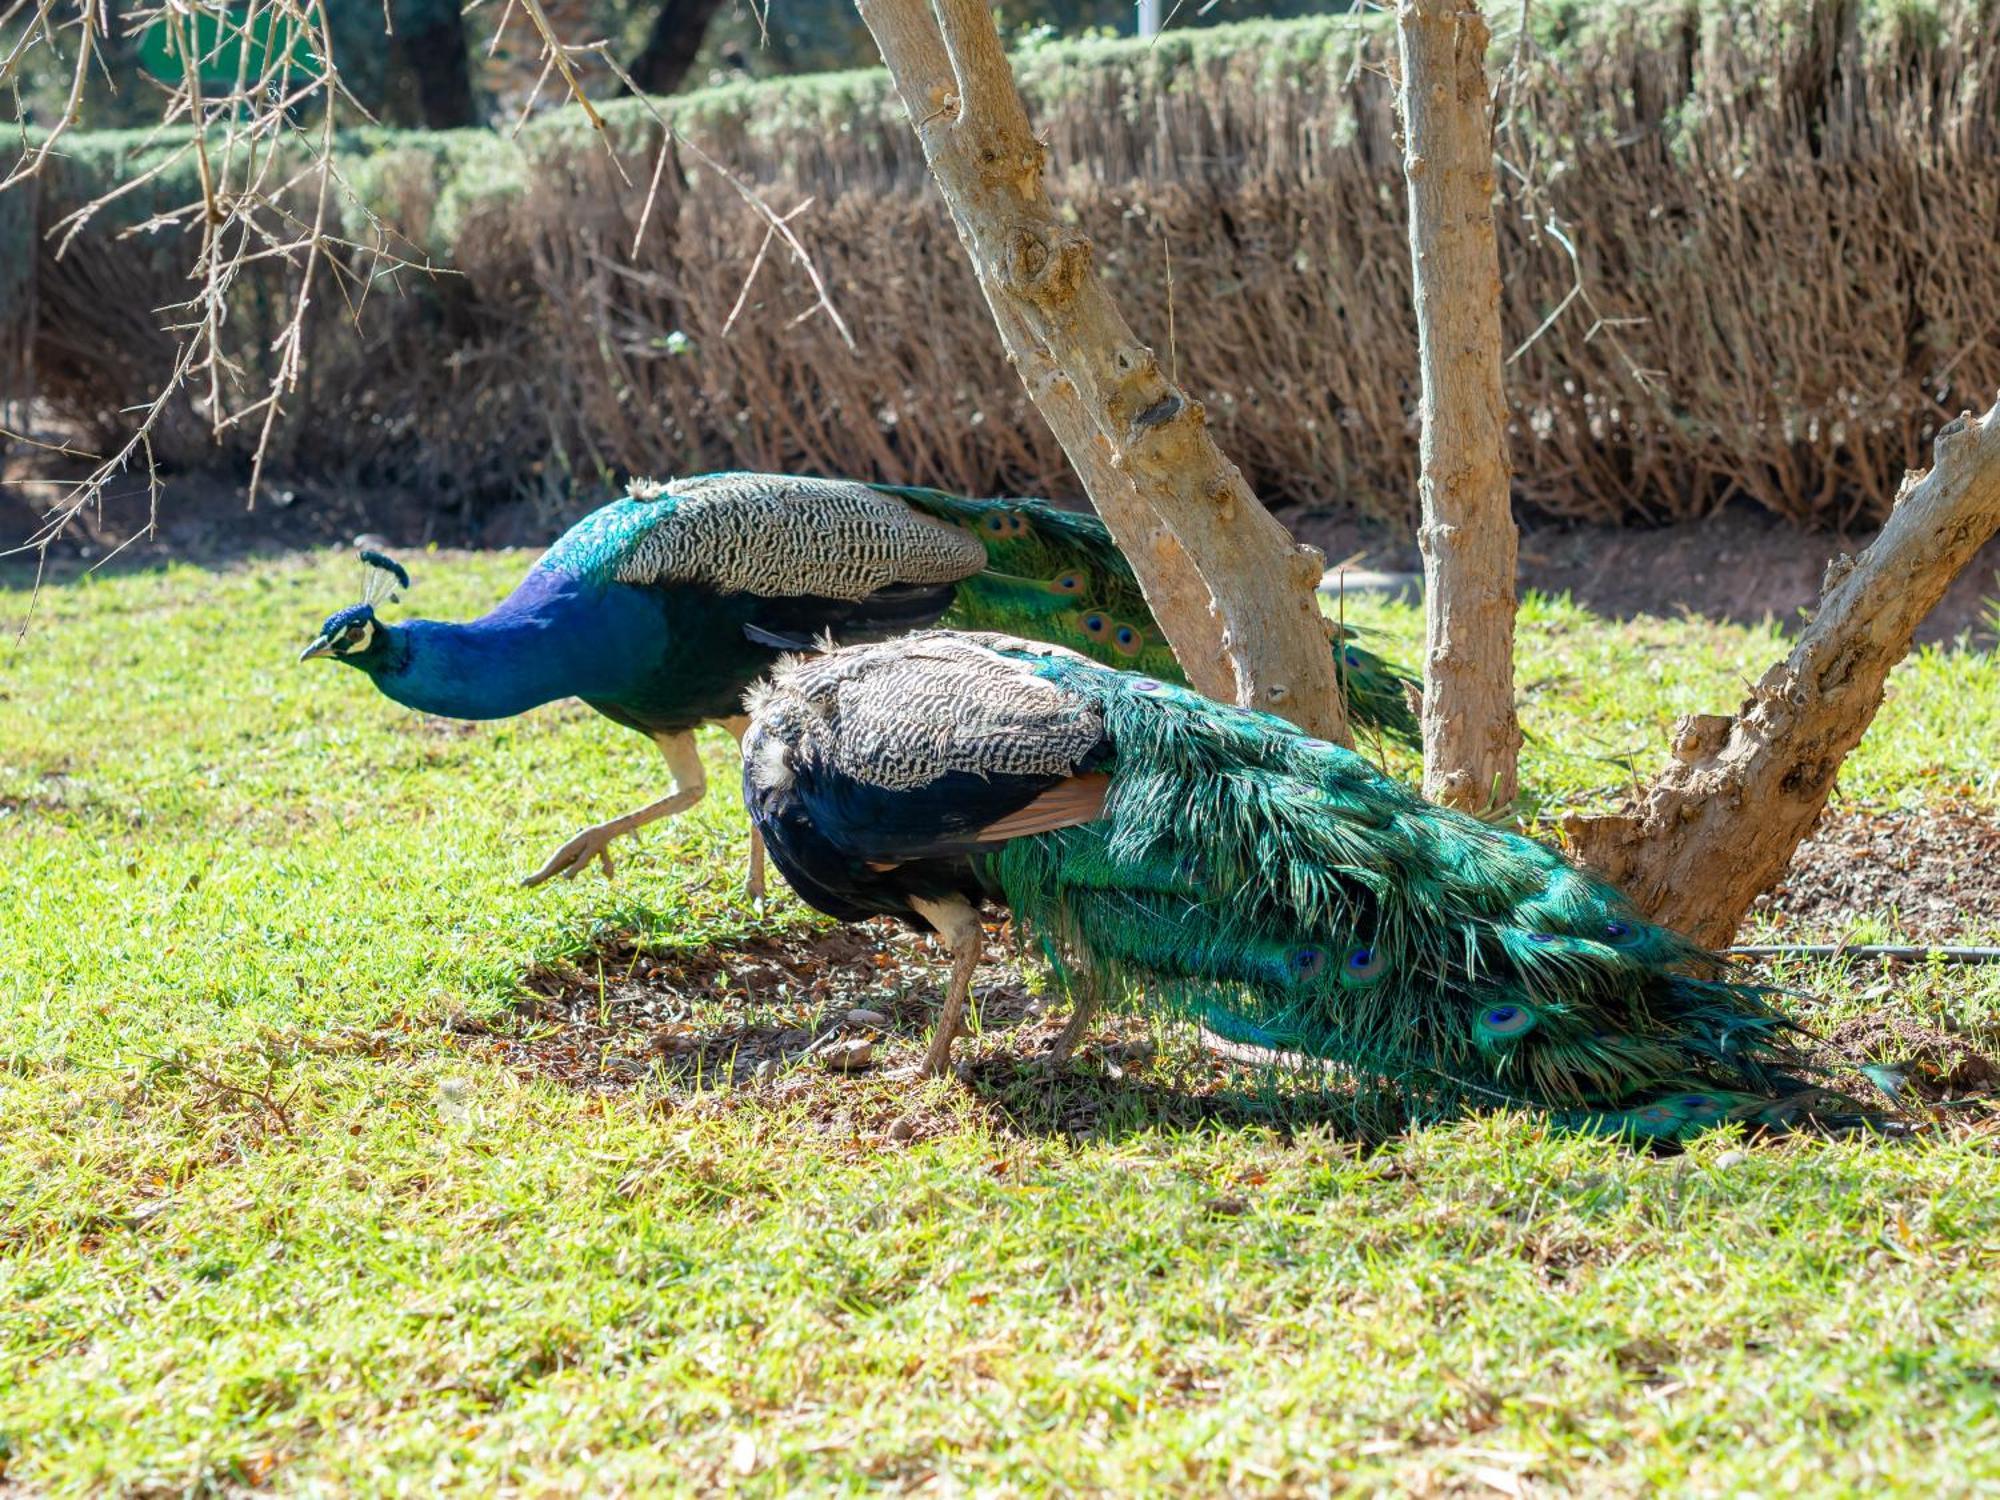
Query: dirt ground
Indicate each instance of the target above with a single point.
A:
(779, 1015)
(1739, 566)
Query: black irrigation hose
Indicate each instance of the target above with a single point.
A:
(1866, 950)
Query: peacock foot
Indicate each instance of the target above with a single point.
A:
(574, 857)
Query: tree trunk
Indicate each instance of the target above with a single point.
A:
(1719, 825)
(1231, 589)
(1471, 737)
(434, 45)
(676, 35)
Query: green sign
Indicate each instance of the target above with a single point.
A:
(219, 37)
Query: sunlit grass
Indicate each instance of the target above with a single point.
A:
(265, 1219)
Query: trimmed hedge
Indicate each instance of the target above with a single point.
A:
(1782, 218)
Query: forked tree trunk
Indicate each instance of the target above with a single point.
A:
(1719, 825)
(1471, 738)
(1231, 589)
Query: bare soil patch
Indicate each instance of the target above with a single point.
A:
(1932, 873)
(835, 1023)
(1739, 565)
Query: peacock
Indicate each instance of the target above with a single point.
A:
(662, 607)
(1217, 862)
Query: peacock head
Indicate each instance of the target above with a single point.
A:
(354, 635)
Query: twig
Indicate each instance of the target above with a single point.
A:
(777, 225)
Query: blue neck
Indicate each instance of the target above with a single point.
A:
(535, 647)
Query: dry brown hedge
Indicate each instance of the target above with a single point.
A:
(1786, 223)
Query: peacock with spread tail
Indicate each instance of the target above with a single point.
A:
(661, 608)
(1164, 849)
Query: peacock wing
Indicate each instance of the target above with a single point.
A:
(767, 535)
(920, 747)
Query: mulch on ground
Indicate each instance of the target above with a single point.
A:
(779, 1018)
(1931, 873)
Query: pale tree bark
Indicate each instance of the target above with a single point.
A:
(1720, 824)
(1471, 737)
(1231, 589)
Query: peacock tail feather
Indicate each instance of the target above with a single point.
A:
(1057, 576)
(1280, 890)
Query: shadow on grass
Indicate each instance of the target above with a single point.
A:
(834, 1022)
(829, 1025)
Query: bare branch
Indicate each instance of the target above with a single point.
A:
(1718, 826)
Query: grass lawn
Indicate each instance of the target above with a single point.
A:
(281, 1207)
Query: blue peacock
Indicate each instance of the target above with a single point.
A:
(661, 608)
(1168, 850)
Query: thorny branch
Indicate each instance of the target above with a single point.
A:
(245, 146)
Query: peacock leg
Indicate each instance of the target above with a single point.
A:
(754, 886)
(957, 926)
(690, 783)
(1084, 1008)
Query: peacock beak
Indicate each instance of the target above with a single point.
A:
(321, 647)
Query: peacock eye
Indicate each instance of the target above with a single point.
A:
(1307, 963)
(1618, 934)
(1351, 656)
(1363, 965)
(1094, 626)
(1070, 583)
(1506, 1020)
(997, 524)
(1542, 939)
(1018, 525)
(1147, 685)
(1127, 640)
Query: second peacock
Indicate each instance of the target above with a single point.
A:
(1171, 851)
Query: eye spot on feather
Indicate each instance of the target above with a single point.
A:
(1307, 963)
(996, 524)
(1127, 640)
(1505, 1022)
(1363, 966)
(1147, 685)
(1352, 657)
(1069, 583)
(1620, 934)
(1543, 939)
(1017, 525)
(1096, 625)
(1656, 1114)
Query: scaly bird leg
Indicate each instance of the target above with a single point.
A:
(690, 783)
(754, 886)
(1084, 1007)
(957, 926)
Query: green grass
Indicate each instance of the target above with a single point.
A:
(267, 1219)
